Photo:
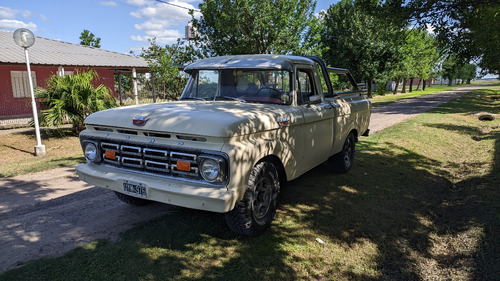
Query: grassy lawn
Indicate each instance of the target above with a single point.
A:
(421, 203)
(18, 158)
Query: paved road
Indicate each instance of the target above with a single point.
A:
(388, 115)
(47, 214)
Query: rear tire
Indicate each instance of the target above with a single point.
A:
(344, 160)
(255, 212)
(132, 200)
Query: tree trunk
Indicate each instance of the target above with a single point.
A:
(370, 89)
(396, 88)
(418, 86)
(153, 86)
(403, 91)
(450, 82)
(411, 84)
(468, 81)
(423, 85)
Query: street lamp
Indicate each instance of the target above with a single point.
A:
(25, 38)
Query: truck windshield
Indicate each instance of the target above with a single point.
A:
(240, 85)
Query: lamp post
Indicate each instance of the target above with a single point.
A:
(25, 39)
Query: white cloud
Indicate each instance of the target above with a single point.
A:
(7, 13)
(108, 3)
(162, 37)
(8, 19)
(162, 21)
(140, 2)
(10, 24)
(26, 14)
(44, 18)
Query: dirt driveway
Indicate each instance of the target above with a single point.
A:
(49, 213)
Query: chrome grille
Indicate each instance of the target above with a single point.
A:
(158, 159)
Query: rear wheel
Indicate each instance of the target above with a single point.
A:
(132, 200)
(343, 161)
(255, 212)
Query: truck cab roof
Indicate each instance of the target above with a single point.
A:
(281, 62)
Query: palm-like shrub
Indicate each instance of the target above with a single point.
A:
(71, 98)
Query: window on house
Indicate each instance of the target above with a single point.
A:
(20, 86)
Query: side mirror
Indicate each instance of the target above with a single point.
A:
(314, 99)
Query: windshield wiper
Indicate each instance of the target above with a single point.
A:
(229, 98)
(192, 98)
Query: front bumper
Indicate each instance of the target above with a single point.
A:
(170, 191)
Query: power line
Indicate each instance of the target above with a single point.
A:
(175, 5)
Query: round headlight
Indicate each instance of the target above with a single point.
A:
(210, 169)
(91, 151)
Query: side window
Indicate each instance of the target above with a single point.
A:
(340, 83)
(304, 86)
(324, 87)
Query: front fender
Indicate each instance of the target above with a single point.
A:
(246, 151)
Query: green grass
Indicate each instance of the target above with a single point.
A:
(421, 203)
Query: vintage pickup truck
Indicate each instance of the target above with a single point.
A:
(244, 126)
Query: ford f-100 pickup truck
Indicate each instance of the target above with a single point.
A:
(243, 127)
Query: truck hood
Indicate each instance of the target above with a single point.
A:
(214, 119)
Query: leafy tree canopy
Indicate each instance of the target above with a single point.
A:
(469, 29)
(164, 63)
(88, 38)
(362, 43)
(253, 26)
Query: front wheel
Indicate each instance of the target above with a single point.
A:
(343, 160)
(255, 212)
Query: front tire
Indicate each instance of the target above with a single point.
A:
(255, 212)
(132, 200)
(344, 160)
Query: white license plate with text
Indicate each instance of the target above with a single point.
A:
(134, 188)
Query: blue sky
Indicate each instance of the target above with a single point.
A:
(122, 25)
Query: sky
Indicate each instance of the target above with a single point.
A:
(122, 25)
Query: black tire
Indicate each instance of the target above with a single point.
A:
(132, 200)
(344, 160)
(255, 212)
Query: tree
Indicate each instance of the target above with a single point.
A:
(468, 29)
(88, 38)
(467, 72)
(450, 69)
(164, 63)
(359, 42)
(423, 53)
(230, 27)
(73, 98)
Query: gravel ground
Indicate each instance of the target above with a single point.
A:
(49, 213)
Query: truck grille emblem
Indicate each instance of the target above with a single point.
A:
(140, 120)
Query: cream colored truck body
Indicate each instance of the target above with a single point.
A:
(296, 136)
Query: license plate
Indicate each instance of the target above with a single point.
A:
(135, 188)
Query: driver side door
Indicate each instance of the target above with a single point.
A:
(318, 118)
